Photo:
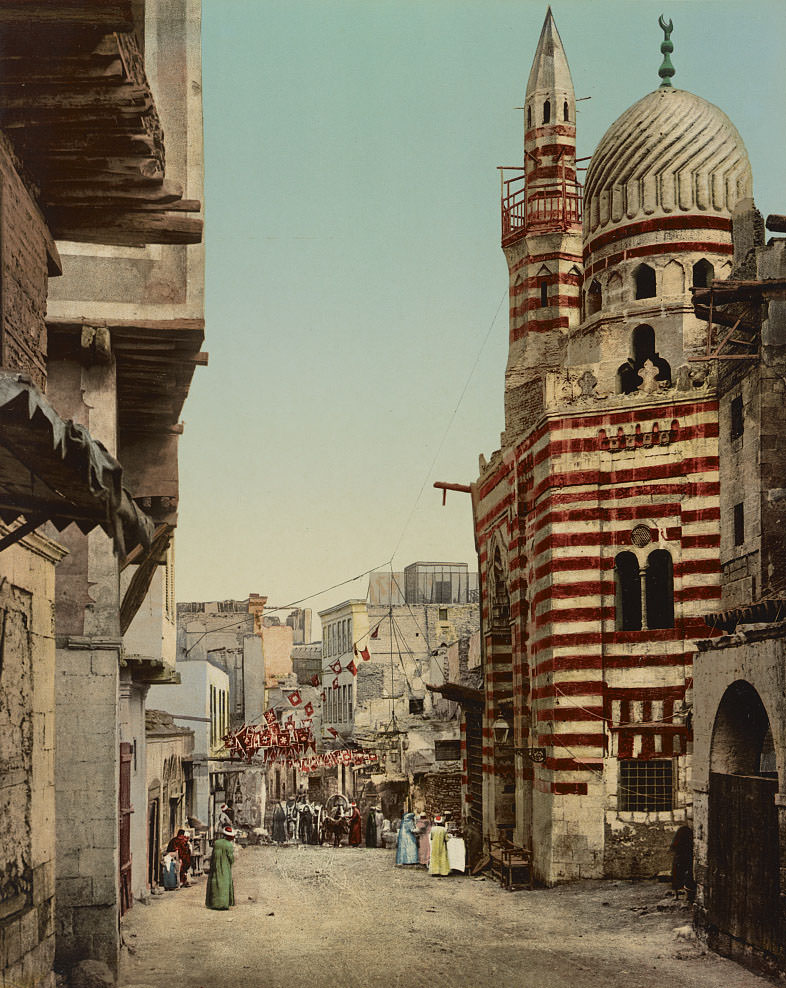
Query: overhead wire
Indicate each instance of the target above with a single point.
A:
(450, 424)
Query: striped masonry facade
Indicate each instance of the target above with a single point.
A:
(561, 507)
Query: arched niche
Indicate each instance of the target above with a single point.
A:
(740, 732)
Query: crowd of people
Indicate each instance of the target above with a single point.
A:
(434, 844)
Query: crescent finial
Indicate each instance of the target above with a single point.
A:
(666, 28)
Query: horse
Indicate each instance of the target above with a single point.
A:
(335, 828)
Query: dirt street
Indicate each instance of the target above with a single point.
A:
(317, 917)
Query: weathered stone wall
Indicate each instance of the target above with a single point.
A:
(442, 794)
(27, 782)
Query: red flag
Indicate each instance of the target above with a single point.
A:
(295, 698)
(366, 654)
(308, 710)
(375, 632)
(323, 696)
(333, 731)
(334, 684)
(270, 716)
(353, 668)
(336, 666)
(315, 680)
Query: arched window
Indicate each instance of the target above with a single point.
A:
(594, 298)
(703, 273)
(500, 606)
(544, 294)
(643, 347)
(644, 276)
(546, 112)
(529, 117)
(628, 592)
(660, 590)
(565, 115)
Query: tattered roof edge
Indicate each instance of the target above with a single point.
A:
(91, 475)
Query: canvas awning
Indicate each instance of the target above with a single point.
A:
(52, 469)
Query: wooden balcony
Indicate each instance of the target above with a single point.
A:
(554, 208)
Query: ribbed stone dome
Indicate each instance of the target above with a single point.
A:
(672, 152)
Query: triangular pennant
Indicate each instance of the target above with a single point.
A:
(375, 632)
(353, 668)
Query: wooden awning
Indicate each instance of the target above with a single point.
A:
(464, 695)
(53, 470)
(77, 107)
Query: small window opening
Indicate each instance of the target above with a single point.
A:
(628, 592)
(544, 295)
(565, 115)
(645, 281)
(546, 112)
(447, 751)
(646, 786)
(739, 523)
(416, 705)
(703, 273)
(594, 298)
(737, 417)
(660, 590)
(529, 117)
(443, 613)
(643, 346)
(500, 608)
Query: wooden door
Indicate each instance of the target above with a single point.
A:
(742, 858)
(126, 809)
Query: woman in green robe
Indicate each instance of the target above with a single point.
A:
(220, 892)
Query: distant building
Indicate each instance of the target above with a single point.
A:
(200, 701)
(169, 786)
(378, 659)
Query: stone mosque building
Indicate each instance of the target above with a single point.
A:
(597, 520)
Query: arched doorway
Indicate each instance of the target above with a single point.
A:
(742, 893)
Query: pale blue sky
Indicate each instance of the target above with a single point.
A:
(353, 259)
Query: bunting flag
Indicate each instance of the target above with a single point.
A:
(366, 654)
(374, 633)
(315, 680)
(308, 710)
(323, 696)
(336, 666)
(334, 684)
(270, 716)
(333, 731)
(353, 668)
(295, 698)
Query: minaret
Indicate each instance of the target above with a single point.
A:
(541, 233)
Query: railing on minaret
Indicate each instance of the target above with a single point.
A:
(555, 208)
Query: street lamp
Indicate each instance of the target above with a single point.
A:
(501, 729)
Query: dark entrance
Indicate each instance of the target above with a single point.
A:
(743, 875)
(153, 855)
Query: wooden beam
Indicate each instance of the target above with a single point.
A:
(108, 15)
(130, 229)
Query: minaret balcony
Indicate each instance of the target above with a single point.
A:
(552, 207)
